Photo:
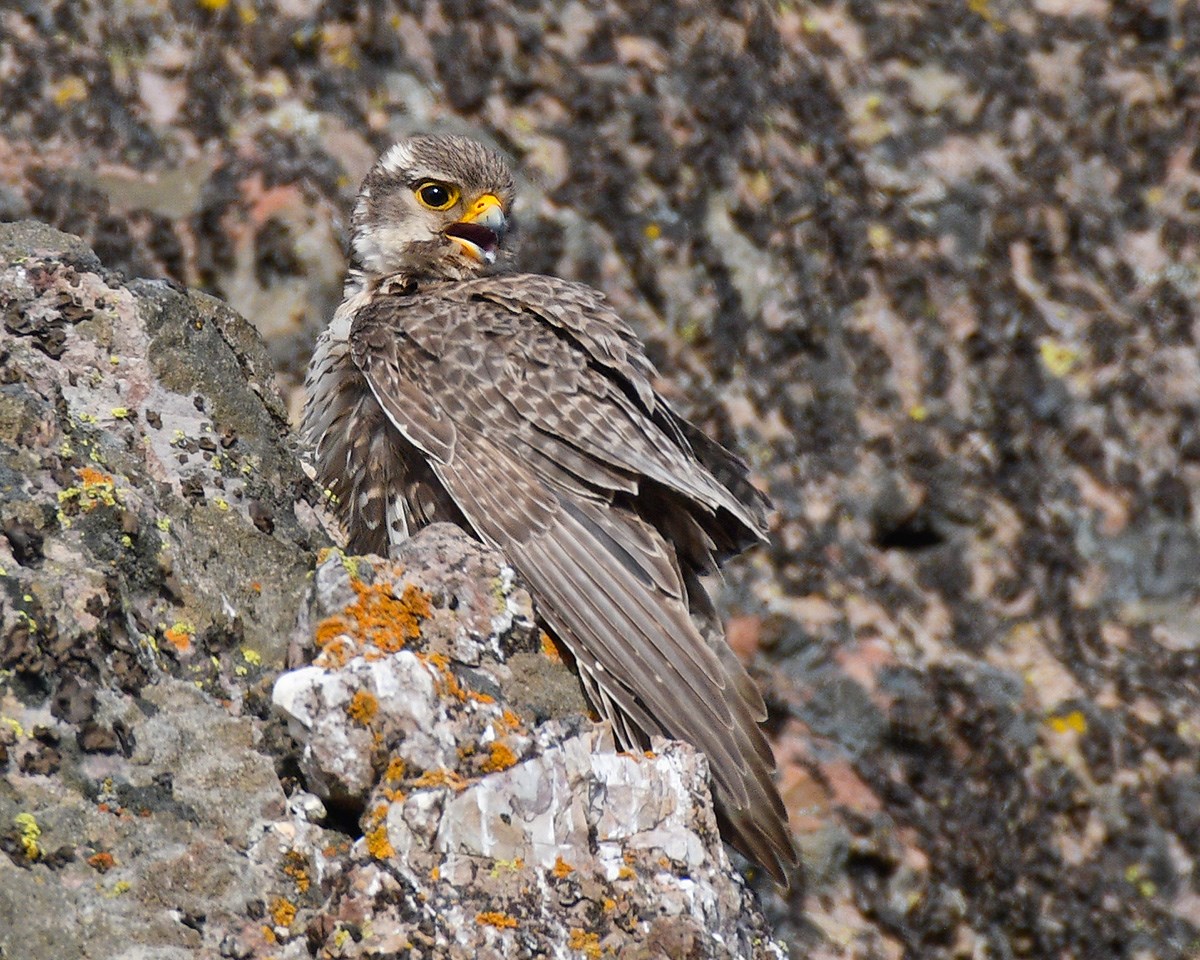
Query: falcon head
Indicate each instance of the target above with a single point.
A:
(433, 207)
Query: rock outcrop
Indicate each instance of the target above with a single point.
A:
(423, 782)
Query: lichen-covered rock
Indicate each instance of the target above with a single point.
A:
(155, 541)
(931, 266)
(154, 520)
(486, 830)
(157, 547)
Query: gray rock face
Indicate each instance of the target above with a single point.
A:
(426, 783)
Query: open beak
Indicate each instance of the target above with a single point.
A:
(481, 231)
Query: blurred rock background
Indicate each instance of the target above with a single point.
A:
(932, 266)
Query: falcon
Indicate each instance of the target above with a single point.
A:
(521, 408)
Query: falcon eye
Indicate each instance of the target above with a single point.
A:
(437, 196)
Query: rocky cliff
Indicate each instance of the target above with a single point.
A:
(932, 265)
(428, 786)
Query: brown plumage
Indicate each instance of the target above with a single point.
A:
(520, 407)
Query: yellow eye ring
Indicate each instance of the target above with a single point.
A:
(437, 195)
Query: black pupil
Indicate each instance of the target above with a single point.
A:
(435, 195)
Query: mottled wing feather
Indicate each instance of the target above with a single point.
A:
(543, 456)
(417, 414)
(580, 311)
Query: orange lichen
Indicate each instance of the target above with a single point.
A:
(378, 844)
(562, 869)
(501, 757)
(283, 912)
(269, 935)
(179, 636)
(396, 769)
(445, 682)
(589, 943)
(101, 862)
(510, 720)
(377, 617)
(609, 904)
(363, 707)
(377, 814)
(295, 865)
(442, 778)
(435, 874)
(550, 647)
(336, 651)
(96, 488)
(480, 697)
(625, 874)
(494, 918)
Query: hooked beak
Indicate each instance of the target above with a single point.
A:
(481, 231)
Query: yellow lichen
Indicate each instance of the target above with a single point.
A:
(500, 757)
(588, 943)
(14, 725)
(1058, 358)
(441, 778)
(252, 657)
(378, 844)
(29, 834)
(562, 869)
(363, 707)
(295, 865)
(1073, 721)
(494, 918)
(396, 769)
(95, 488)
(283, 912)
(69, 90)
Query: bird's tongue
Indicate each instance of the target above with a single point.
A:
(485, 239)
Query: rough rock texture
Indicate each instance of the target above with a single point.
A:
(444, 794)
(933, 264)
(484, 832)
